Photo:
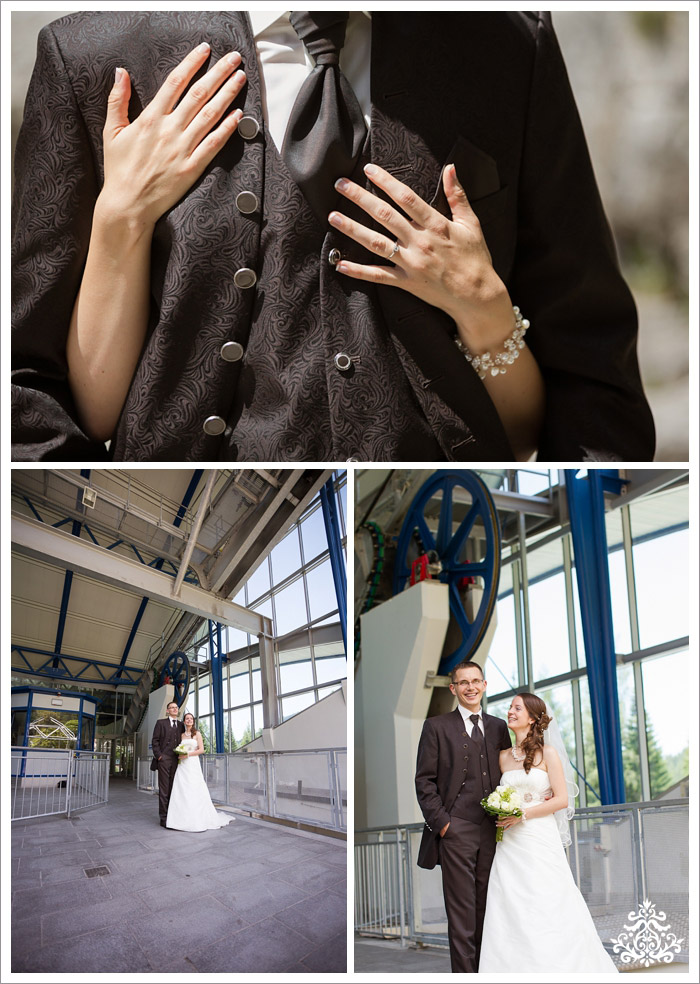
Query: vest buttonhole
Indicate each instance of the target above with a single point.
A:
(407, 317)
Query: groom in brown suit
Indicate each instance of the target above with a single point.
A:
(166, 737)
(457, 766)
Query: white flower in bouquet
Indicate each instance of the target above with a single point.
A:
(181, 750)
(504, 801)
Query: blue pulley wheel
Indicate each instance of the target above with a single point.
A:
(176, 670)
(461, 553)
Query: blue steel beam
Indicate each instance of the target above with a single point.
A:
(217, 689)
(587, 514)
(217, 684)
(335, 551)
(31, 506)
(190, 577)
(90, 534)
(61, 669)
(68, 578)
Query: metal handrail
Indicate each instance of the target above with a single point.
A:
(391, 893)
(266, 792)
(77, 787)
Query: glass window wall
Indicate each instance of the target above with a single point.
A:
(539, 616)
(294, 587)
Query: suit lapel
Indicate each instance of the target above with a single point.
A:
(408, 138)
(492, 749)
(397, 142)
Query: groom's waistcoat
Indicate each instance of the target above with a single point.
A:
(307, 384)
(170, 735)
(477, 782)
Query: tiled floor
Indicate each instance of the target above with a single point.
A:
(250, 897)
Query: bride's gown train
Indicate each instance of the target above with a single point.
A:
(535, 915)
(190, 806)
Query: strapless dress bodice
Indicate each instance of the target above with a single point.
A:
(533, 786)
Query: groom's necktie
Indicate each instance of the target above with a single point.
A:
(476, 733)
(326, 127)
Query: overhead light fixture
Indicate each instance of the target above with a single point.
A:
(89, 497)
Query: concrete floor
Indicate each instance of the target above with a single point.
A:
(251, 897)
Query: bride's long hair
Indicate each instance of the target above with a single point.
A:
(534, 740)
(193, 729)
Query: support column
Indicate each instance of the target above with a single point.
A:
(587, 514)
(217, 688)
(335, 549)
(271, 717)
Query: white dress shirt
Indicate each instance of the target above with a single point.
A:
(466, 717)
(284, 64)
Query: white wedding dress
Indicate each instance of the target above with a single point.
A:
(536, 919)
(190, 806)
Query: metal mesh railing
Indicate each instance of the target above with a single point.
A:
(619, 856)
(49, 781)
(309, 786)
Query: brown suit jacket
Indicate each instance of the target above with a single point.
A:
(487, 91)
(166, 737)
(439, 772)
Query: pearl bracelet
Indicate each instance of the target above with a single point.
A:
(511, 350)
(523, 816)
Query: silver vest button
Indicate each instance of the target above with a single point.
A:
(342, 362)
(245, 277)
(246, 202)
(214, 426)
(231, 351)
(334, 257)
(248, 127)
(352, 459)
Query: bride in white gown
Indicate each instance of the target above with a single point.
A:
(535, 915)
(190, 806)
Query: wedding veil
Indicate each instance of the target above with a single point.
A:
(552, 736)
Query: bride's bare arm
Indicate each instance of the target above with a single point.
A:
(149, 165)
(199, 750)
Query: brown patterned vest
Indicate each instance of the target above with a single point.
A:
(477, 781)
(309, 386)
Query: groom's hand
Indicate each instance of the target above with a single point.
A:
(444, 829)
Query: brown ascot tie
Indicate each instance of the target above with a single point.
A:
(326, 127)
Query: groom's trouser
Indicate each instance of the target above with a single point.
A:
(466, 854)
(166, 773)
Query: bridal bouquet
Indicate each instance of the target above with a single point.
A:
(504, 801)
(181, 749)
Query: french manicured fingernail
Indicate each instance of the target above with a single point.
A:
(239, 77)
(233, 58)
(118, 72)
(370, 169)
(335, 219)
(341, 184)
(340, 268)
(204, 46)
